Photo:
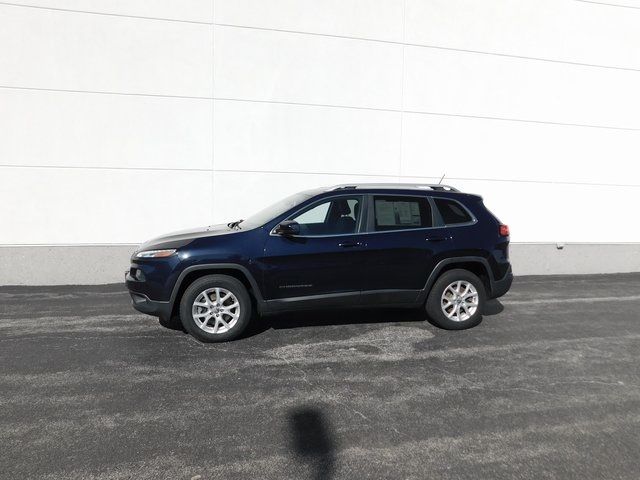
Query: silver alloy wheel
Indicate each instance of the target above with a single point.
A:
(216, 310)
(459, 301)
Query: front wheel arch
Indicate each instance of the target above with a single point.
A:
(238, 313)
(194, 273)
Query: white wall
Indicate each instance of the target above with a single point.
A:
(121, 120)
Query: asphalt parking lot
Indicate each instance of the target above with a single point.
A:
(548, 386)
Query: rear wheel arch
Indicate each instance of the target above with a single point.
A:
(478, 268)
(457, 300)
(476, 265)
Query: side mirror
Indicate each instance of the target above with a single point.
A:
(287, 228)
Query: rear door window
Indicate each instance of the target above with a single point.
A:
(452, 212)
(401, 212)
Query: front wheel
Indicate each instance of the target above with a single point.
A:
(456, 300)
(215, 308)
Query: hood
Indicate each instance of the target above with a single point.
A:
(184, 237)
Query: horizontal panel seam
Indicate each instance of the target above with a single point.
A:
(436, 47)
(607, 4)
(346, 37)
(419, 112)
(322, 105)
(574, 243)
(102, 92)
(106, 14)
(18, 245)
(133, 245)
(295, 172)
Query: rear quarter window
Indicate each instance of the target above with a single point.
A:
(452, 212)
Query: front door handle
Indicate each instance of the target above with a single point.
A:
(437, 239)
(349, 244)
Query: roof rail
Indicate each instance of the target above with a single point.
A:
(426, 186)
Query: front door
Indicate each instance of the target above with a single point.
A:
(324, 261)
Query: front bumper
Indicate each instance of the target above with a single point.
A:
(502, 286)
(142, 302)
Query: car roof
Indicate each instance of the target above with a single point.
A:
(395, 186)
(440, 189)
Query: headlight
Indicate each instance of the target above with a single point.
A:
(156, 253)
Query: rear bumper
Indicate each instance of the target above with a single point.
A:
(502, 286)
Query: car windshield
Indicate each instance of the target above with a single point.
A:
(265, 215)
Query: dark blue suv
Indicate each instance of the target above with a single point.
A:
(367, 245)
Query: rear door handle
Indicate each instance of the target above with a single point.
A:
(437, 239)
(350, 244)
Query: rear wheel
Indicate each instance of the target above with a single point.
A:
(215, 308)
(456, 300)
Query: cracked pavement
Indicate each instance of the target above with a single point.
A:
(547, 386)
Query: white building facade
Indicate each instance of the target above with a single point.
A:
(121, 120)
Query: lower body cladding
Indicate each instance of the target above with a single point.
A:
(373, 298)
(143, 304)
(502, 286)
(377, 298)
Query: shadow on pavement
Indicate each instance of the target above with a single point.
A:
(172, 323)
(314, 318)
(333, 316)
(311, 441)
(493, 307)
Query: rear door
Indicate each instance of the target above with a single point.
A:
(402, 247)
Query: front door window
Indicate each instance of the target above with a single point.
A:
(338, 216)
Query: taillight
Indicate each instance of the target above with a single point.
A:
(504, 230)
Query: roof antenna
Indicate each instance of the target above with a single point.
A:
(441, 178)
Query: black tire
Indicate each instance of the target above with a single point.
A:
(232, 285)
(434, 300)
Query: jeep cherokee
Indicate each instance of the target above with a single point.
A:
(372, 245)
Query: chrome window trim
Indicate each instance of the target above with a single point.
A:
(473, 221)
(352, 193)
(358, 233)
(431, 206)
(319, 201)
